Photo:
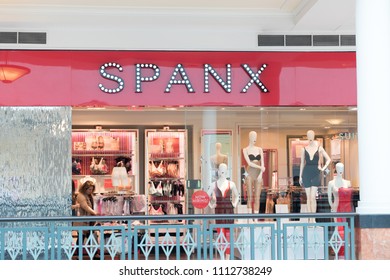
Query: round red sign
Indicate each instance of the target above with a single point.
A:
(200, 199)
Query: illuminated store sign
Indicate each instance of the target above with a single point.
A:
(179, 77)
(89, 78)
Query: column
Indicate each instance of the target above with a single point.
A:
(373, 85)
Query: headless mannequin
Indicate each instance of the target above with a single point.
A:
(255, 167)
(119, 177)
(309, 176)
(216, 160)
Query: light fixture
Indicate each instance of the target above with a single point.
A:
(335, 121)
(10, 73)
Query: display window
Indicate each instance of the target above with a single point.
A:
(267, 153)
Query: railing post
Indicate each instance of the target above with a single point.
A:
(130, 240)
(2, 243)
(52, 238)
(352, 245)
(279, 238)
(204, 238)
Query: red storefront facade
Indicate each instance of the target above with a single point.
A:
(159, 78)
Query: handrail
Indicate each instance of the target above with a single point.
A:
(252, 236)
(181, 217)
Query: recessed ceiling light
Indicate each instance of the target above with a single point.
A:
(335, 121)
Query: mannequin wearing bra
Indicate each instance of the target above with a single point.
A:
(255, 168)
(216, 160)
(224, 195)
(310, 170)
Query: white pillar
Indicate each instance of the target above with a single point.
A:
(373, 86)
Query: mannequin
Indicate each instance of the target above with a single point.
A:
(255, 168)
(224, 198)
(224, 195)
(342, 198)
(339, 186)
(216, 160)
(119, 176)
(310, 170)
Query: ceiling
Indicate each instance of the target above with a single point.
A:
(328, 118)
(267, 16)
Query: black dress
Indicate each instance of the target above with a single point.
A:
(311, 173)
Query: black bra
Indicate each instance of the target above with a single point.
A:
(252, 157)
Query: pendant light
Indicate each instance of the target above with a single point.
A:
(10, 73)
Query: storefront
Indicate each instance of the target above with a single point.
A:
(165, 117)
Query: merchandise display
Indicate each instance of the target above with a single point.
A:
(165, 172)
(105, 157)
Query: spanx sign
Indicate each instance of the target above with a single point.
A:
(149, 73)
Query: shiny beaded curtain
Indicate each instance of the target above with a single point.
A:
(35, 161)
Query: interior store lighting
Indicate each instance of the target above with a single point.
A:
(10, 73)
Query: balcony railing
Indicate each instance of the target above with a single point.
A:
(190, 237)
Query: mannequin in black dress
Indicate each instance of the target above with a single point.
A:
(310, 170)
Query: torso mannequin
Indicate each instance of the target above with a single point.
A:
(119, 176)
(224, 195)
(255, 167)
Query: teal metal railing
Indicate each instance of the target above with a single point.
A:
(252, 236)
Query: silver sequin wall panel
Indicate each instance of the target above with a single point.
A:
(35, 158)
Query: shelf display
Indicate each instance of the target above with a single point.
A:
(109, 156)
(165, 170)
